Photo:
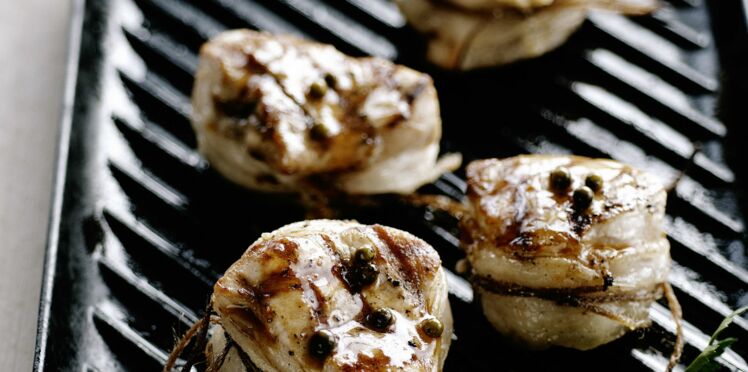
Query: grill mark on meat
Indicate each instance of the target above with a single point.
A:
(256, 67)
(525, 239)
(252, 65)
(254, 317)
(220, 358)
(581, 222)
(414, 93)
(525, 245)
(278, 248)
(247, 321)
(376, 362)
(350, 105)
(407, 270)
(260, 63)
(288, 280)
(239, 108)
(320, 311)
(413, 262)
(338, 270)
(266, 126)
(245, 301)
(249, 366)
(351, 102)
(384, 76)
(256, 314)
(330, 245)
(276, 283)
(266, 121)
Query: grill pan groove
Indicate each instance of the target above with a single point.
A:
(165, 225)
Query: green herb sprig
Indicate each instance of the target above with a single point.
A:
(705, 362)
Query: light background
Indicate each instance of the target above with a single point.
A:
(33, 53)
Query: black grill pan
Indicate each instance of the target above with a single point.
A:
(141, 226)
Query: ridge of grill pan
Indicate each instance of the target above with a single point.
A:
(141, 226)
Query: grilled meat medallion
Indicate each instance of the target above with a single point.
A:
(332, 295)
(277, 113)
(565, 250)
(469, 34)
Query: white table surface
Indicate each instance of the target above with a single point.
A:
(33, 38)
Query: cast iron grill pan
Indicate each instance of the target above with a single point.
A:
(143, 227)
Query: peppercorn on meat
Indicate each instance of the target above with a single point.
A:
(332, 295)
(565, 250)
(468, 34)
(278, 113)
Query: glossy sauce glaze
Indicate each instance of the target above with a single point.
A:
(296, 282)
(516, 209)
(275, 112)
(550, 237)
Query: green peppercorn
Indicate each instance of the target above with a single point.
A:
(594, 182)
(319, 132)
(582, 198)
(380, 319)
(364, 254)
(318, 89)
(321, 344)
(432, 327)
(560, 180)
(331, 80)
(361, 275)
